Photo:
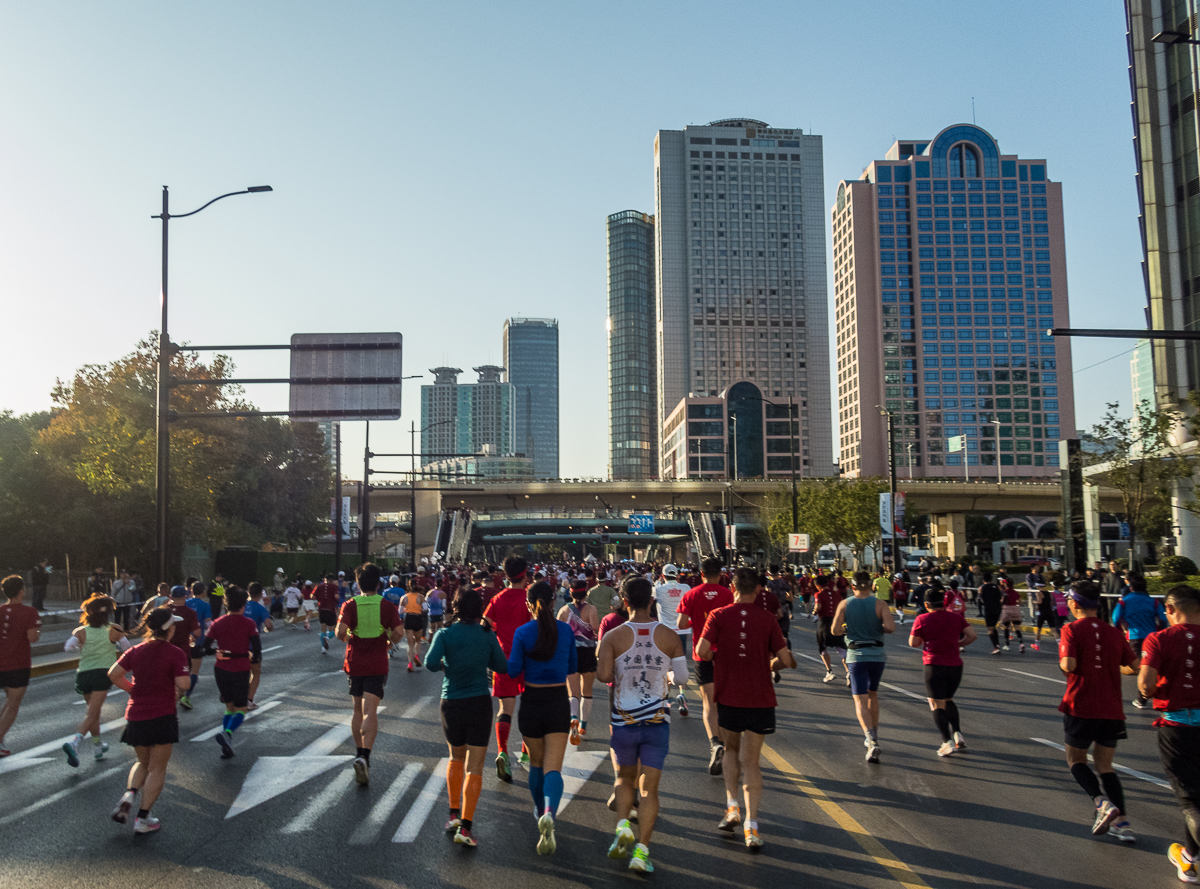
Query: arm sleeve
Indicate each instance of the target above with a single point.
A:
(516, 657)
(1118, 613)
(496, 661)
(437, 650)
(123, 644)
(679, 669)
(73, 644)
(255, 648)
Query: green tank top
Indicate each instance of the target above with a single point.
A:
(366, 610)
(97, 652)
(863, 625)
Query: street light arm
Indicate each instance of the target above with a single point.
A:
(252, 190)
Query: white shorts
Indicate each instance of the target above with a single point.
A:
(310, 606)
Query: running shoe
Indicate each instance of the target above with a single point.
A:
(733, 817)
(101, 749)
(72, 752)
(453, 824)
(1106, 814)
(582, 731)
(1122, 831)
(416, 660)
(716, 760)
(829, 677)
(250, 705)
(640, 861)
(4, 751)
(362, 771)
(121, 813)
(1006, 648)
(464, 837)
(681, 699)
(946, 749)
(1139, 702)
(960, 743)
(149, 824)
(1021, 649)
(503, 769)
(1035, 646)
(523, 759)
(324, 644)
(186, 702)
(622, 840)
(546, 844)
(1185, 867)
(995, 651)
(873, 753)
(223, 742)
(410, 667)
(573, 737)
(753, 840)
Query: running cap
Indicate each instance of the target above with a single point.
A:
(308, 583)
(670, 571)
(179, 591)
(421, 569)
(278, 570)
(341, 574)
(394, 579)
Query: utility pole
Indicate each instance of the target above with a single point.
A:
(364, 519)
(337, 509)
(792, 432)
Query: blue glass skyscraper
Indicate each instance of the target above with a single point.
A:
(531, 362)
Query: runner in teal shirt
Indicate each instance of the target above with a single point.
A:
(864, 620)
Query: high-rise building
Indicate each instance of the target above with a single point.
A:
(531, 359)
(463, 419)
(740, 270)
(1141, 374)
(949, 266)
(632, 390)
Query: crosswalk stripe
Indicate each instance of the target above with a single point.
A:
(419, 813)
(368, 831)
(416, 708)
(212, 733)
(320, 804)
(62, 794)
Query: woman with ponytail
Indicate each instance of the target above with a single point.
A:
(544, 651)
(97, 642)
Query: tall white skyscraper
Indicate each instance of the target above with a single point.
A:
(740, 269)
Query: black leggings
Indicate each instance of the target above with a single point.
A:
(1179, 750)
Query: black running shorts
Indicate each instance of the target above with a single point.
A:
(371, 685)
(1082, 733)
(467, 721)
(942, 681)
(704, 672)
(760, 720)
(234, 687)
(586, 658)
(545, 710)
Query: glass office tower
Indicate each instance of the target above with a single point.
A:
(531, 362)
(632, 413)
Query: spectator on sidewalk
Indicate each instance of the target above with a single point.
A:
(39, 581)
(125, 595)
(97, 584)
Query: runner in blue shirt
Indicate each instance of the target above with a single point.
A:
(393, 592)
(199, 604)
(257, 612)
(1138, 615)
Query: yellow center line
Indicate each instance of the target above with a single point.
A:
(900, 871)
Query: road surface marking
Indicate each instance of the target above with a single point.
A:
(262, 708)
(1128, 771)
(368, 831)
(272, 648)
(62, 794)
(900, 871)
(417, 815)
(34, 755)
(578, 766)
(115, 691)
(416, 708)
(903, 691)
(320, 804)
(1034, 676)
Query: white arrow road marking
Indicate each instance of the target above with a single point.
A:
(417, 815)
(34, 755)
(369, 830)
(1034, 676)
(272, 775)
(62, 794)
(416, 708)
(212, 733)
(578, 766)
(1128, 771)
(320, 804)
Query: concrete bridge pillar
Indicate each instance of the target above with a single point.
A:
(1091, 525)
(949, 532)
(428, 513)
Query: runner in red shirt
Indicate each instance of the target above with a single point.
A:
(693, 611)
(900, 594)
(940, 634)
(745, 644)
(1094, 654)
(1170, 675)
(326, 596)
(507, 611)
(20, 627)
(235, 640)
(828, 597)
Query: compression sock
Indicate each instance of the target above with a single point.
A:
(553, 785)
(470, 798)
(952, 715)
(1007, 635)
(1020, 638)
(1086, 779)
(366, 754)
(235, 720)
(537, 789)
(942, 721)
(454, 782)
(360, 751)
(225, 721)
(503, 726)
(195, 679)
(574, 708)
(585, 710)
(1113, 790)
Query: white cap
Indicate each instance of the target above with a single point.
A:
(395, 578)
(341, 574)
(278, 570)
(670, 571)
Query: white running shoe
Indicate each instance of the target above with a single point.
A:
(829, 677)
(946, 749)
(101, 749)
(121, 813)
(546, 843)
(149, 824)
(960, 743)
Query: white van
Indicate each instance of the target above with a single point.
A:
(912, 558)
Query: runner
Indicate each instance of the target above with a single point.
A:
(668, 595)
(694, 608)
(807, 590)
(580, 615)
(186, 636)
(828, 600)
(293, 601)
(941, 635)
(883, 587)
(543, 652)
(1010, 613)
(413, 605)
(97, 642)
(1094, 655)
(257, 612)
(326, 596)
(435, 601)
(507, 611)
(863, 619)
(466, 650)
(20, 627)
(394, 593)
(991, 599)
(366, 624)
(1139, 616)
(745, 646)
(160, 671)
(1169, 676)
(900, 593)
(1046, 611)
(638, 663)
(602, 597)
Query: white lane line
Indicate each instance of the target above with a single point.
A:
(903, 691)
(320, 804)
(262, 708)
(417, 815)
(416, 708)
(368, 831)
(32, 756)
(272, 648)
(809, 657)
(1128, 771)
(1034, 676)
(334, 673)
(62, 794)
(115, 691)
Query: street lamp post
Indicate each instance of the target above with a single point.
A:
(162, 412)
(891, 438)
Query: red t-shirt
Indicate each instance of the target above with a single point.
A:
(326, 595)
(700, 601)
(155, 666)
(612, 619)
(1012, 597)
(232, 633)
(743, 638)
(1099, 650)
(507, 611)
(767, 601)
(1173, 653)
(827, 602)
(181, 637)
(16, 620)
(368, 657)
(940, 631)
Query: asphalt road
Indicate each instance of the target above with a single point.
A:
(285, 812)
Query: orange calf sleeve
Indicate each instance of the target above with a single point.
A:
(471, 796)
(454, 781)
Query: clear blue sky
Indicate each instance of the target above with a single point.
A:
(441, 166)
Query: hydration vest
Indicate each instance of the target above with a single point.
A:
(366, 609)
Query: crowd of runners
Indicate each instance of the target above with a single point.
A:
(537, 639)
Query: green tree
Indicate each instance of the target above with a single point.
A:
(830, 510)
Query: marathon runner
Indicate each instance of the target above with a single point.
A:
(234, 639)
(603, 597)
(900, 593)
(941, 635)
(863, 619)
(580, 615)
(20, 627)
(991, 598)
(694, 608)
(1010, 613)
(1139, 616)
(466, 650)
(639, 662)
(413, 603)
(293, 601)
(506, 612)
(827, 602)
(668, 595)
(257, 612)
(186, 634)
(435, 603)
(97, 642)
(199, 604)
(1169, 674)
(326, 596)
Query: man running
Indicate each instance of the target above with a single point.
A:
(186, 634)
(828, 599)
(669, 594)
(366, 624)
(20, 627)
(199, 604)
(413, 603)
(746, 646)
(234, 639)
(257, 612)
(863, 620)
(639, 661)
(991, 597)
(293, 601)
(693, 611)
(1139, 616)
(941, 635)
(506, 612)
(326, 596)
(1169, 674)
(1094, 655)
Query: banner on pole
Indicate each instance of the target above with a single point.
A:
(797, 543)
